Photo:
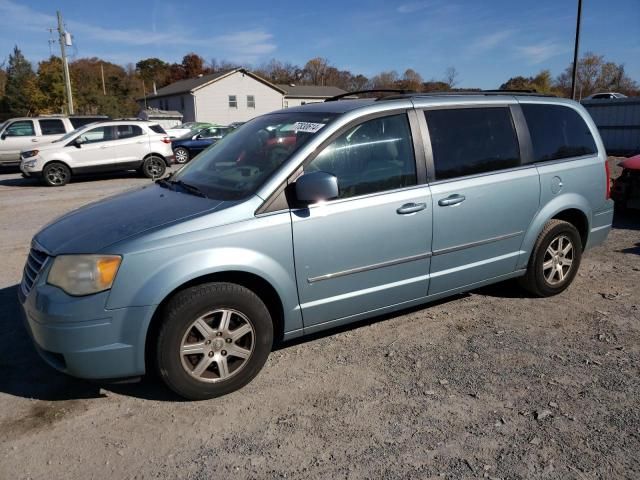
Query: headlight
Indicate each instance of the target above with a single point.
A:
(30, 153)
(84, 274)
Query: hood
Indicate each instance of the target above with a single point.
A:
(94, 227)
(45, 145)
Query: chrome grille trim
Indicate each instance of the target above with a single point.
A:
(33, 266)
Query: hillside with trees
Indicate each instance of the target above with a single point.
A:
(102, 87)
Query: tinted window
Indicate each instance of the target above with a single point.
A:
(557, 132)
(52, 127)
(78, 122)
(99, 134)
(157, 129)
(467, 141)
(21, 128)
(372, 157)
(127, 131)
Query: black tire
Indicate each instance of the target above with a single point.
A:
(153, 167)
(193, 304)
(536, 281)
(56, 174)
(182, 155)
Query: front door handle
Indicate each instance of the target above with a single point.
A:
(408, 208)
(451, 200)
(34, 139)
(103, 146)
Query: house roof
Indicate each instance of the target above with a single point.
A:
(310, 91)
(190, 84)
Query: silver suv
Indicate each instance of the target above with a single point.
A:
(313, 217)
(101, 147)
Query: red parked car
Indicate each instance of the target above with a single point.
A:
(626, 188)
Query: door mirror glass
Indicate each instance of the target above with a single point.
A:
(3, 136)
(316, 187)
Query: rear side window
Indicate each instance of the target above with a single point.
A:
(557, 132)
(374, 156)
(127, 131)
(157, 128)
(52, 127)
(468, 141)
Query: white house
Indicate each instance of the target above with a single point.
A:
(235, 96)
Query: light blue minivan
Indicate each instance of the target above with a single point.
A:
(313, 217)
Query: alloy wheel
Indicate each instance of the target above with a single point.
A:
(217, 345)
(154, 167)
(182, 156)
(56, 175)
(558, 260)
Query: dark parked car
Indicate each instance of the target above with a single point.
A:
(188, 146)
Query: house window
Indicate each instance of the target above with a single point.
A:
(251, 101)
(233, 101)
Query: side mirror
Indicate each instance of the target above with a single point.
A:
(316, 187)
(196, 137)
(4, 135)
(78, 142)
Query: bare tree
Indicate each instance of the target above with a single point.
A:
(451, 77)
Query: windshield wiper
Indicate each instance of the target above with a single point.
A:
(189, 188)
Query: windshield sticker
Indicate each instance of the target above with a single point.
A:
(307, 127)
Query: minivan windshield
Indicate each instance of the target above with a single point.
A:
(238, 164)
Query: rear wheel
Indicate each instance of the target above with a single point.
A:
(56, 174)
(555, 259)
(214, 339)
(153, 167)
(181, 154)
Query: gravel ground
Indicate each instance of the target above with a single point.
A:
(489, 384)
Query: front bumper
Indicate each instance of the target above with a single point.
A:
(80, 337)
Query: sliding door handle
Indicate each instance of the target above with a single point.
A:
(408, 208)
(451, 200)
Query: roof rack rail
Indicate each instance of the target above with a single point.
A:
(373, 90)
(531, 93)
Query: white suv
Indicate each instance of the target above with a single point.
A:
(101, 147)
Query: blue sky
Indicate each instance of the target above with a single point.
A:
(487, 41)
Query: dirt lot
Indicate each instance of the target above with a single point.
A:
(489, 384)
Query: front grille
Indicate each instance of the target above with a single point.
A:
(35, 261)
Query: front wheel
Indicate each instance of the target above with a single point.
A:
(56, 174)
(214, 339)
(182, 155)
(555, 259)
(153, 167)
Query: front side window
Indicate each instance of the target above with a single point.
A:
(251, 101)
(557, 132)
(233, 101)
(127, 131)
(469, 141)
(98, 134)
(238, 164)
(374, 156)
(21, 128)
(52, 127)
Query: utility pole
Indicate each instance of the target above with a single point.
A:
(65, 63)
(104, 89)
(574, 73)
